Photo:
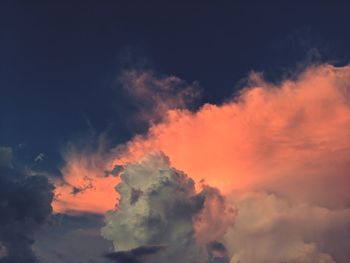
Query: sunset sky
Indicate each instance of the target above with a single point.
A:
(170, 131)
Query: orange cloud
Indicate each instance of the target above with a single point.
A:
(293, 134)
(297, 130)
(85, 187)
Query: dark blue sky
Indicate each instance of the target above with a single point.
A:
(60, 59)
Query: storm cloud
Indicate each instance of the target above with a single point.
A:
(25, 203)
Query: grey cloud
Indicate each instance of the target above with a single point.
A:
(25, 203)
(158, 207)
(115, 171)
(5, 156)
(153, 95)
(135, 255)
(39, 158)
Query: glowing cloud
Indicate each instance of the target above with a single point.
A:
(88, 184)
(295, 133)
(290, 137)
(279, 153)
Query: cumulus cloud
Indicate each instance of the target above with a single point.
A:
(89, 176)
(268, 228)
(286, 144)
(161, 216)
(25, 203)
(214, 219)
(291, 136)
(243, 227)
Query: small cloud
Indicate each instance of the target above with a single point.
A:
(5, 156)
(3, 251)
(217, 253)
(39, 158)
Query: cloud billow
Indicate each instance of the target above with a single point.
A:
(161, 216)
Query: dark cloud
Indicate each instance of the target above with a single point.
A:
(133, 256)
(115, 171)
(217, 253)
(25, 203)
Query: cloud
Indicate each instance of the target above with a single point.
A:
(87, 179)
(5, 156)
(39, 158)
(25, 203)
(279, 152)
(133, 256)
(292, 136)
(214, 219)
(162, 214)
(154, 95)
(268, 228)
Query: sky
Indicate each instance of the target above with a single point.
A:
(182, 131)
